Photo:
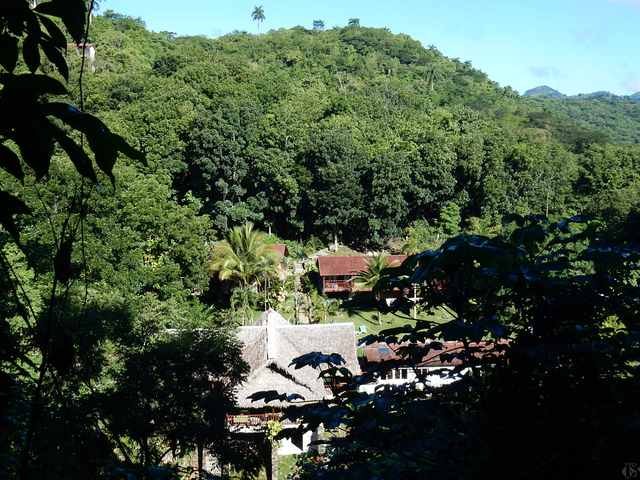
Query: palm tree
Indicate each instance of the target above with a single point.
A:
(246, 259)
(258, 16)
(318, 25)
(433, 75)
(243, 257)
(354, 22)
(370, 277)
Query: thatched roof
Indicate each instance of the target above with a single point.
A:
(269, 349)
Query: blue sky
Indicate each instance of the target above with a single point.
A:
(572, 45)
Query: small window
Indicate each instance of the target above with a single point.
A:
(403, 372)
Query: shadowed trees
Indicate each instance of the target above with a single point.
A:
(551, 391)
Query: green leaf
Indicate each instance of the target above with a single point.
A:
(54, 54)
(78, 157)
(11, 206)
(8, 52)
(31, 53)
(10, 162)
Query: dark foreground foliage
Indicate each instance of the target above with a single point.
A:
(92, 382)
(556, 397)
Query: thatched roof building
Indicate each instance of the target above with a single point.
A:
(272, 344)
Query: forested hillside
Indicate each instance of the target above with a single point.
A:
(617, 117)
(352, 131)
(128, 258)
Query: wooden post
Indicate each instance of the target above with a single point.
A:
(272, 461)
(414, 310)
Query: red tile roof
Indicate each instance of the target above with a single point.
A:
(383, 352)
(350, 266)
(279, 248)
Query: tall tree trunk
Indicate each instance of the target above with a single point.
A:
(200, 461)
(145, 453)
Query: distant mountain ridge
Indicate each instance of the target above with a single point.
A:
(617, 116)
(545, 91)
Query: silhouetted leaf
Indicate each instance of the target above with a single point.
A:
(73, 14)
(56, 57)
(10, 162)
(105, 145)
(315, 359)
(36, 144)
(11, 206)
(57, 36)
(80, 159)
(8, 52)
(274, 396)
(31, 53)
(32, 84)
(62, 351)
(63, 268)
(122, 145)
(513, 218)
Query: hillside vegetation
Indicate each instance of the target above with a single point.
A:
(616, 117)
(352, 131)
(128, 255)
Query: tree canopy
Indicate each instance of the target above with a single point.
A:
(307, 131)
(120, 187)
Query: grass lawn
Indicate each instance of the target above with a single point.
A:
(285, 467)
(368, 319)
(374, 322)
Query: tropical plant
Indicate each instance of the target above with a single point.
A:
(354, 22)
(369, 278)
(318, 24)
(243, 257)
(258, 15)
(433, 75)
(322, 307)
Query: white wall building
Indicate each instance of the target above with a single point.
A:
(420, 376)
